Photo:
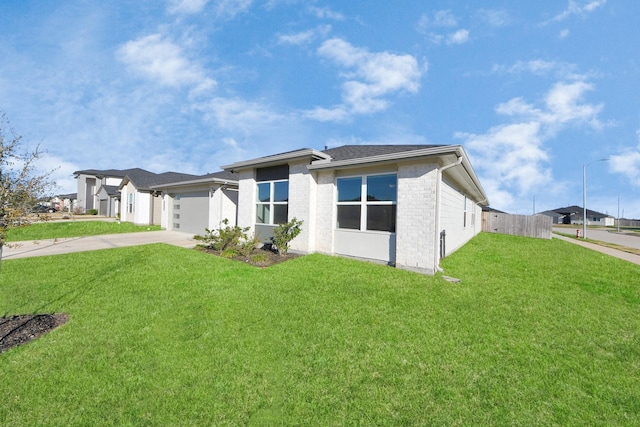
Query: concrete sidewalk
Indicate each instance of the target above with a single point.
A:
(603, 249)
(91, 243)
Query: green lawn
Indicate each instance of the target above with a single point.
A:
(537, 333)
(61, 229)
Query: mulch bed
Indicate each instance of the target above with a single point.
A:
(259, 258)
(23, 328)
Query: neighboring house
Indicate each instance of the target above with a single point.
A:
(194, 204)
(407, 206)
(64, 202)
(556, 218)
(89, 195)
(108, 200)
(141, 204)
(574, 214)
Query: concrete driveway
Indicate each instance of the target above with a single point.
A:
(92, 243)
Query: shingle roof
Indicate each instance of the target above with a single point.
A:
(144, 180)
(112, 190)
(579, 211)
(232, 176)
(347, 152)
(115, 173)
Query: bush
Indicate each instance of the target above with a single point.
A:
(229, 240)
(92, 211)
(284, 234)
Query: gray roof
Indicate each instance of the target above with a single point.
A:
(577, 210)
(112, 173)
(144, 180)
(112, 190)
(347, 152)
(228, 175)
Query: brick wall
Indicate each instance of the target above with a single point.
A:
(302, 203)
(325, 224)
(247, 200)
(415, 228)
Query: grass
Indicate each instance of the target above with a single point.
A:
(62, 229)
(622, 248)
(537, 333)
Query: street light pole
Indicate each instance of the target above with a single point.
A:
(584, 195)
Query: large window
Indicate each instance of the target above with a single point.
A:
(374, 212)
(272, 202)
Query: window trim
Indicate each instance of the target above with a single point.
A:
(271, 203)
(364, 203)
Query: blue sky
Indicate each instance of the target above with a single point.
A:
(532, 90)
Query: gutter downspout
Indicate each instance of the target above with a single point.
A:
(436, 247)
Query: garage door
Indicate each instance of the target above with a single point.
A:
(191, 212)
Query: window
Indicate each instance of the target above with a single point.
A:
(130, 204)
(464, 213)
(376, 212)
(272, 202)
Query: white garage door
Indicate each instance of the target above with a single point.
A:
(191, 212)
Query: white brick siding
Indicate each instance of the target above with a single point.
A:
(325, 210)
(247, 200)
(416, 217)
(452, 217)
(302, 205)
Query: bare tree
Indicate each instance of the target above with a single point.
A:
(21, 185)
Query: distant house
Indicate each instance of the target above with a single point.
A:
(405, 205)
(557, 218)
(574, 215)
(141, 203)
(195, 203)
(64, 202)
(95, 190)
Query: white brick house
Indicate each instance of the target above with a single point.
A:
(403, 205)
(195, 204)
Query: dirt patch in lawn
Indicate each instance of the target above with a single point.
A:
(23, 328)
(260, 257)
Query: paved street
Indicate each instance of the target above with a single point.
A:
(628, 239)
(623, 239)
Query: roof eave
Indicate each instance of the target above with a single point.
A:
(384, 158)
(195, 182)
(277, 159)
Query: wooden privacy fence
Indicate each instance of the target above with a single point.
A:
(519, 225)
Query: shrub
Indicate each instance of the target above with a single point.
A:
(228, 240)
(284, 234)
(92, 211)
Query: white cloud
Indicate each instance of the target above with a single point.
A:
(237, 114)
(459, 37)
(495, 17)
(513, 157)
(444, 18)
(161, 60)
(434, 25)
(564, 34)
(370, 78)
(439, 19)
(304, 37)
(326, 13)
(576, 9)
(627, 163)
(186, 6)
(222, 8)
(541, 67)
